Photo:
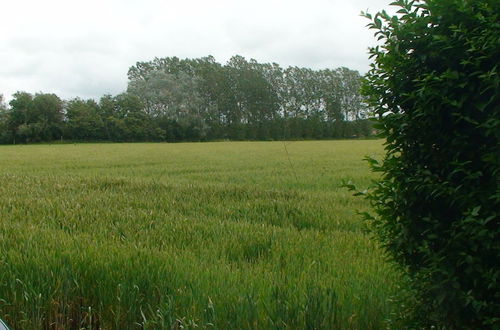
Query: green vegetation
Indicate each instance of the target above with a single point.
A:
(435, 88)
(224, 235)
(169, 99)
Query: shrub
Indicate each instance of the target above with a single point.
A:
(434, 88)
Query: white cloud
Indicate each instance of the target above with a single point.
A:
(84, 48)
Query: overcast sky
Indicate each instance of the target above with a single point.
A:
(84, 48)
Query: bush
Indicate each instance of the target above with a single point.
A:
(434, 88)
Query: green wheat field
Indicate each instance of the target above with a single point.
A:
(226, 235)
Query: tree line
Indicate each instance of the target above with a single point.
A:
(172, 99)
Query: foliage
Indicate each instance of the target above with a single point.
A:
(169, 99)
(214, 235)
(35, 118)
(4, 121)
(434, 86)
(244, 99)
(82, 120)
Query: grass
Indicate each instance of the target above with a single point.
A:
(222, 235)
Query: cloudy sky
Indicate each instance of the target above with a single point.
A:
(84, 48)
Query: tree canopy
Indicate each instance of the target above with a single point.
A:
(172, 99)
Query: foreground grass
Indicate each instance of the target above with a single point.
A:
(225, 235)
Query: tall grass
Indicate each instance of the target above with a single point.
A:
(222, 235)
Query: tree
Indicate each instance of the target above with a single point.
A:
(35, 118)
(5, 137)
(83, 121)
(18, 115)
(434, 86)
(107, 111)
(131, 119)
(215, 96)
(124, 119)
(174, 97)
(256, 101)
(3, 105)
(244, 99)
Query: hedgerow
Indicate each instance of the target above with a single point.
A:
(434, 88)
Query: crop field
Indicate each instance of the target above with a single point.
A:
(227, 235)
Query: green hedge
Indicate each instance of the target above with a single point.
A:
(434, 87)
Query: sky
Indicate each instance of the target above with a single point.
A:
(85, 48)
